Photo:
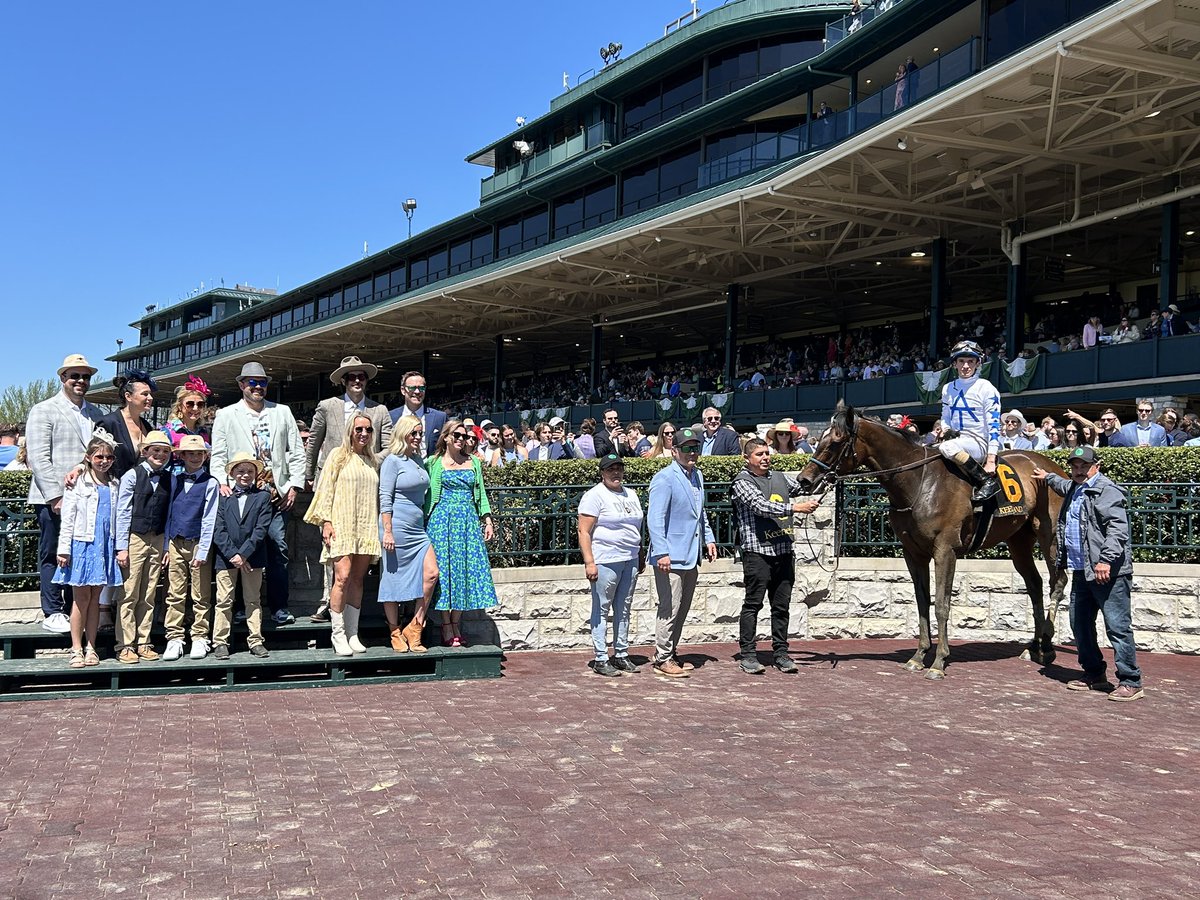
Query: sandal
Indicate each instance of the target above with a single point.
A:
(448, 635)
(91, 657)
(76, 659)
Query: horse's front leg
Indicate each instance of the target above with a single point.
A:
(918, 570)
(944, 563)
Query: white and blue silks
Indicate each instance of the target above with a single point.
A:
(971, 406)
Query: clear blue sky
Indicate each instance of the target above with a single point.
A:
(149, 146)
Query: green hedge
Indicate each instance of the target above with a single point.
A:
(637, 471)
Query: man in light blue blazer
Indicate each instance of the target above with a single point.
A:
(1145, 432)
(680, 533)
(57, 434)
(268, 432)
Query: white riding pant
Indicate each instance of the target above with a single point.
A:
(975, 446)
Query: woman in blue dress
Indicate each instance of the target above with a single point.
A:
(456, 503)
(87, 556)
(408, 570)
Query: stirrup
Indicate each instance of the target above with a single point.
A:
(988, 488)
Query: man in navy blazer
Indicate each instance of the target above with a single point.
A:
(412, 389)
(1142, 433)
(718, 441)
(679, 533)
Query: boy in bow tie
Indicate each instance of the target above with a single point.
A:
(242, 522)
(143, 499)
(191, 520)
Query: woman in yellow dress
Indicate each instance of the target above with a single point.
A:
(346, 506)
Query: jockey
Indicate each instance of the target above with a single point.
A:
(971, 407)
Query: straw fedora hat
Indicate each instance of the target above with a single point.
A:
(353, 364)
(76, 361)
(191, 442)
(787, 425)
(156, 439)
(253, 370)
(242, 457)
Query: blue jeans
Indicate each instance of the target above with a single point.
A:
(1112, 601)
(277, 561)
(56, 598)
(613, 588)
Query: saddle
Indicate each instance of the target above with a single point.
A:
(1010, 501)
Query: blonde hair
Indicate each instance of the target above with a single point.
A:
(177, 408)
(343, 454)
(398, 445)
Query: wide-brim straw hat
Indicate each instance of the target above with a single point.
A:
(352, 364)
(156, 439)
(192, 442)
(76, 361)
(1014, 414)
(787, 425)
(243, 457)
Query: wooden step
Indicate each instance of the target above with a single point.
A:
(53, 678)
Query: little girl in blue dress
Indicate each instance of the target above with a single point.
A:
(87, 556)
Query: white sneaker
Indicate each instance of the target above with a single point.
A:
(58, 623)
(199, 648)
(174, 650)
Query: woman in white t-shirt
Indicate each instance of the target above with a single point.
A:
(610, 539)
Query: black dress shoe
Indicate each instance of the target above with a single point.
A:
(321, 615)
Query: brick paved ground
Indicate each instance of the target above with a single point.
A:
(852, 779)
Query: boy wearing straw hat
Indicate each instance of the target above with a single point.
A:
(243, 518)
(143, 501)
(191, 520)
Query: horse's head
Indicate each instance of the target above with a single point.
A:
(836, 453)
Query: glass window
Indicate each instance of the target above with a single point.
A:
(418, 270)
(732, 69)
(481, 249)
(568, 215)
(642, 109)
(508, 239)
(460, 256)
(599, 203)
(382, 286)
(639, 187)
(399, 279)
(678, 173)
(682, 92)
(535, 230)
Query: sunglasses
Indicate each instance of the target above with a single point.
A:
(458, 436)
(255, 383)
(355, 376)
(415, 388)
(1145, 410)
(688, 448)
(363, 429)
(79, 376)
(97, 457)
(668, 433)
(1071, 431)
(194, 404)
(1108, 419)
(712, 418)
(417, 433)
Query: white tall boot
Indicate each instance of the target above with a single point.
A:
(340, 645)
(351, 616)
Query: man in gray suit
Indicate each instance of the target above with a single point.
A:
(57, 434)
(268, 432)
(329, 430)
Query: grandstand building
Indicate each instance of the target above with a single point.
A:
(763, 172)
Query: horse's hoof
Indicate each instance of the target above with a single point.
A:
(1025, 655)
(935, 674)
(913, 666)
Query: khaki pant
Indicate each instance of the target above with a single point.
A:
(181, 552)
(141, 586)
(251, 591)
(675, 590)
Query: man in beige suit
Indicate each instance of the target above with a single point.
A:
(329, 430)
(57, 434)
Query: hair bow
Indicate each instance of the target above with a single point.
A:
(196, 384)
(142, 376)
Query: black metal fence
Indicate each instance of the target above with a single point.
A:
(1164, 521)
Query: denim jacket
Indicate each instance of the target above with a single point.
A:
(1103, 524)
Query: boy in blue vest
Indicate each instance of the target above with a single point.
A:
(243, 519)
(191, 519)
(143, 499)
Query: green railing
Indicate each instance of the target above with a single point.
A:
(18, 545)
(1164, 520)
(536, 526)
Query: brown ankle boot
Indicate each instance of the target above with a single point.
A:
(399, 644)
(412, 633)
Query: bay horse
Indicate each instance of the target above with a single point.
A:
(931, 513)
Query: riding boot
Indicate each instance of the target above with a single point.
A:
(985, 485)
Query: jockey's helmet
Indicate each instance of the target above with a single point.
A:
(966, 348)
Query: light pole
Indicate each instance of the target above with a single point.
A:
(409, 206)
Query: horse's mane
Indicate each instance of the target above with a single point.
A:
(840, 417)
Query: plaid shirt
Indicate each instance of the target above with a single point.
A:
(750, 505)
